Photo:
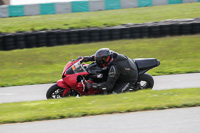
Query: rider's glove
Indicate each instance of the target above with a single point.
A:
(86, 58)
(80, 57)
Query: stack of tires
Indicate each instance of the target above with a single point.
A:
(135, 31)
(73, 37)
(175, 29)
(9, 42)
(41, 38)
(154, 30)
(94, 35)
(1, 42)
(20, 40)
(164, 29)
(84, 36)
(186, 28)
(62, 37)
(125, 32)
(115, 33)
(196, 27)
(105, 34)
(31, 40)
(144, 31)
(52, 38)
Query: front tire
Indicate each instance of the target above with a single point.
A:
(146, 81)
(54, 92)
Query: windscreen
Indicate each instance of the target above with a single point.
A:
(76, 68)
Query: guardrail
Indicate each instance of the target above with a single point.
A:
(22, 40)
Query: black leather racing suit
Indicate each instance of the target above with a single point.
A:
(122, 74)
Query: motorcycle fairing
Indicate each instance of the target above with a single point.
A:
(62, 84)
(69, 64)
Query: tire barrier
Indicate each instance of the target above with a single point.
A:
(115, 33)
(52, 38)
(1, 42)
(41, 38)
(125, 33)
(9, 42)
(84, 36)
(94, 35)
(75, 36)
(30, 40)
(105, 34)
(19, 41)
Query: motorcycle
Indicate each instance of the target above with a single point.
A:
(75, 76)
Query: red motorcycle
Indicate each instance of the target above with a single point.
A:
(75, 76)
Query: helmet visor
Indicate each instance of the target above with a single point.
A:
(101, 61)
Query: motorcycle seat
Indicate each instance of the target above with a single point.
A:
(146, 63)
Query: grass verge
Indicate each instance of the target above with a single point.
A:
(100, 18)
(96, 105)
(44, 65)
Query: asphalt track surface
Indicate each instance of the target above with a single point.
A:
(38, 92)
(184, 120)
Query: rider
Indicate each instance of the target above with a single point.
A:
(122, 71)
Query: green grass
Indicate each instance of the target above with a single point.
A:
(44, 65)
(96, 105)
(100, 18)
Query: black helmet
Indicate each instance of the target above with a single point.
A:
(103, 57)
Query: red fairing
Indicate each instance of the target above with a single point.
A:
(72, 78)
(62, 84)
(65, 92)
(67, 66)
(69, 81)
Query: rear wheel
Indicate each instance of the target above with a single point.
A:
(54, 92)
(146, 81)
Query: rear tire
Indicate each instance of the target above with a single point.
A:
(146, 81)
(54, 92)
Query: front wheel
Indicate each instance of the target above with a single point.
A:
(54, 92)
(146, 81)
